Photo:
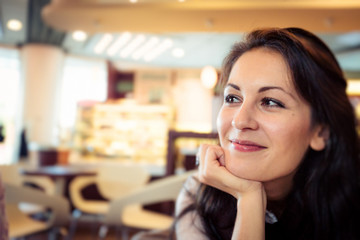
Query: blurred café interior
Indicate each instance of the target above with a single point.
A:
(119, 94)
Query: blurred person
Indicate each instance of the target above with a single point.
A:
(288, 162)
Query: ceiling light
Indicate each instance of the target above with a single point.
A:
(119, 43)
(133, 1)
(79, 36)
(14, 25)
(145, 48)
(353, 87)
(178, 52)
(103, 43)
(132, 46)
(209, 77)
(163, 46)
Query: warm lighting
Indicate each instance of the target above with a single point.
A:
(163, 46)
(137, 46)
(145, 48)
(119, 43)
(133, 1)
(178, 52)
(200, 127)
(132, 46)
(353, 87)
(103, 43)
(79, 36)
(14, 25)
(209, 77)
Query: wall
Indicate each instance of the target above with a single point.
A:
(193, 102)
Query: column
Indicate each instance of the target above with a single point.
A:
(42, 67)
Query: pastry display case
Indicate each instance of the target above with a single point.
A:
(124, 131)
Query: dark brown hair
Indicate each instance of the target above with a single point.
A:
(325, 200)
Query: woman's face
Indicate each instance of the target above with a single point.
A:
(264, 125)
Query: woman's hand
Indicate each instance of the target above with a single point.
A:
(250, 195)
(213, 172)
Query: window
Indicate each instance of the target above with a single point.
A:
(83, 80)
(10, 104)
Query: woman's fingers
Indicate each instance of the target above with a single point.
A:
(209, 156)
(213, 172)
(211, 168)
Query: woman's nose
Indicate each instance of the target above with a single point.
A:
(245, 118)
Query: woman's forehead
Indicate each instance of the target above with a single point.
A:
(261, 66)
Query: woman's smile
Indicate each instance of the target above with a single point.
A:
(246, 146)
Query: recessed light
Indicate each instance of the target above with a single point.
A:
(136, 42)
(79, 36)
(14, 25)
(353, 87)
(162, 47)
(133, 1)
(178, 52)
(103, 43)
(208, 76)
(145, 48)
(120, 42)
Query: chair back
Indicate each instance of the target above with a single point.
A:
(10, 174)
(161, 190)
(114, 181)
(20, 224)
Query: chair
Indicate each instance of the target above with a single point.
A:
(112, 181)
(21, 224)
(128, 212)
(11, 174)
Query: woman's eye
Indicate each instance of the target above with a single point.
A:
(270, 102)
(231, 99)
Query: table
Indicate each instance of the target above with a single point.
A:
(60, 174)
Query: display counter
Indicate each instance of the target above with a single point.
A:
(113, 131)
(155, 168)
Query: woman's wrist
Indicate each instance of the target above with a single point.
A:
(255, 198)
(250, 219)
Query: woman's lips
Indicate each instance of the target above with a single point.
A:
(246, 146)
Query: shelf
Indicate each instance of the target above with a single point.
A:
(124, 130)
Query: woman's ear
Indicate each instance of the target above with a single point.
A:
(320, 137)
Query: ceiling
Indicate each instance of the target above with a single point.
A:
(204, 29)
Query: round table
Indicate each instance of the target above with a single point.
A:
(61, 174)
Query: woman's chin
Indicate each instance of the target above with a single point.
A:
(243, 174)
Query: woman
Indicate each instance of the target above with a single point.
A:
(288, 162)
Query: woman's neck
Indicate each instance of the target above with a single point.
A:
(277, 192)
(276, 207)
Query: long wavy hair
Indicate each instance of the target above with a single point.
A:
(325, 201)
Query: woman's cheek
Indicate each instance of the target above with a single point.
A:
(221, 121)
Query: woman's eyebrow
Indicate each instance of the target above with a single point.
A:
(264, 89)
(233, 86)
